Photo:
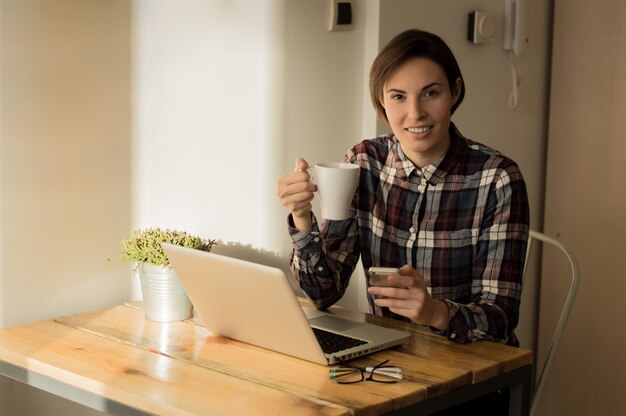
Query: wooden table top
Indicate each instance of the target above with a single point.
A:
(181, 368)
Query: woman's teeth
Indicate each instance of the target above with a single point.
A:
(419, 130)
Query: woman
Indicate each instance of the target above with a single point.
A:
(450, 213)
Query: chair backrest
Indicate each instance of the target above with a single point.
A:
(567, 305)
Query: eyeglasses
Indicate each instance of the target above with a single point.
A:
(381, 373)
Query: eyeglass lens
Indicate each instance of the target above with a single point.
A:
(379, 373)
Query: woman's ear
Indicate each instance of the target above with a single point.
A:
(456, 91)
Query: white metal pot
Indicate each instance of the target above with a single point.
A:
(164, 297)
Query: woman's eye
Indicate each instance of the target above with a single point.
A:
(397, 97)
(431, 93)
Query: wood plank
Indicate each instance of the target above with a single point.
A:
(195, 345)
(483, 359)
(82, 349)
(145, 380)
(429, 359)
(436, 377)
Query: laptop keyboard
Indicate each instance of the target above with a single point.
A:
(332, 342)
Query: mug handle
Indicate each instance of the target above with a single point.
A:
(312, 174)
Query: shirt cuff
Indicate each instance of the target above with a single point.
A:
(307, 242)
(453, 308)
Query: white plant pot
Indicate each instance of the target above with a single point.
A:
(164, 297)
(135, 283)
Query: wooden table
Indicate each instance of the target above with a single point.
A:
(116, 361)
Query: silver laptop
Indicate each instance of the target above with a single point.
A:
(255, 304)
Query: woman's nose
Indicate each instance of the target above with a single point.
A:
(416, 109)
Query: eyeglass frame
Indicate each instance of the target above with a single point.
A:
(395, 373)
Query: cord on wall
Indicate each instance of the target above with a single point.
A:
(515, 41)
(516, 81)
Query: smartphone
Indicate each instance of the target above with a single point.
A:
(378, 275)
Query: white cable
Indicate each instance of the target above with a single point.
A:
(516, 81)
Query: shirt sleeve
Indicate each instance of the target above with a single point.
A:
(323, 260)
(498, 267)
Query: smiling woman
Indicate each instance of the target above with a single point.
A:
(450, 213)
(220, 97)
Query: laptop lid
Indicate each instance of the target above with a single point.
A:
(255, 304)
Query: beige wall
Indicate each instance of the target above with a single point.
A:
(65, 155)
(64, 160)
(585, 208)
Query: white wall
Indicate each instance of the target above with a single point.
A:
(207, 117)
(217, 123)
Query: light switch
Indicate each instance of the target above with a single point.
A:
(340, 15)
(481, 25)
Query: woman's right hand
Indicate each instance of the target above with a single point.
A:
(295, 191)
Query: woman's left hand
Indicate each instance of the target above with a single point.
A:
(410, 298)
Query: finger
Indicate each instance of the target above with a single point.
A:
(394, 303)
(300, 190)
(388, 292)
(408, 270)
(301, 165)
(409, 313)
(296, 196)
(295, 182)
(404, 282)
(407, 308)
(300, 198)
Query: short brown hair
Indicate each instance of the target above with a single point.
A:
(413, 43)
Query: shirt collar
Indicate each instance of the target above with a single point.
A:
(435, 171)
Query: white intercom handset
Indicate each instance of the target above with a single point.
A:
(515, 40)
(515, 24)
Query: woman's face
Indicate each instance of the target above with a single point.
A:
(417, 100)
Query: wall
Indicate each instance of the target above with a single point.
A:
(327, 105)
(65, 155)
(207, 118)
(217, 123)
(585, 206)
(65, 165)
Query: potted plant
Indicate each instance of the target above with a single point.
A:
(164, 297)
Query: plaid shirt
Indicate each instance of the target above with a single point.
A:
(461, 221)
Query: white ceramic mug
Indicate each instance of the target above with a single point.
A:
(336, 184)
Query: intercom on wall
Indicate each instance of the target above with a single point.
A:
(515, 24)
(515, 41)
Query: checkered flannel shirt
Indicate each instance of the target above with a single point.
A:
(461, 221)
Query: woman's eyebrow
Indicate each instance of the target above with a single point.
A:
(424, 88)
(432, 84)
(396, 90)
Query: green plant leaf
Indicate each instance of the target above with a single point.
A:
(145, 245)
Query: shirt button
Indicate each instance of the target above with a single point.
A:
(316, 239)
(412, 229)
(320, 269)
(453, 335)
